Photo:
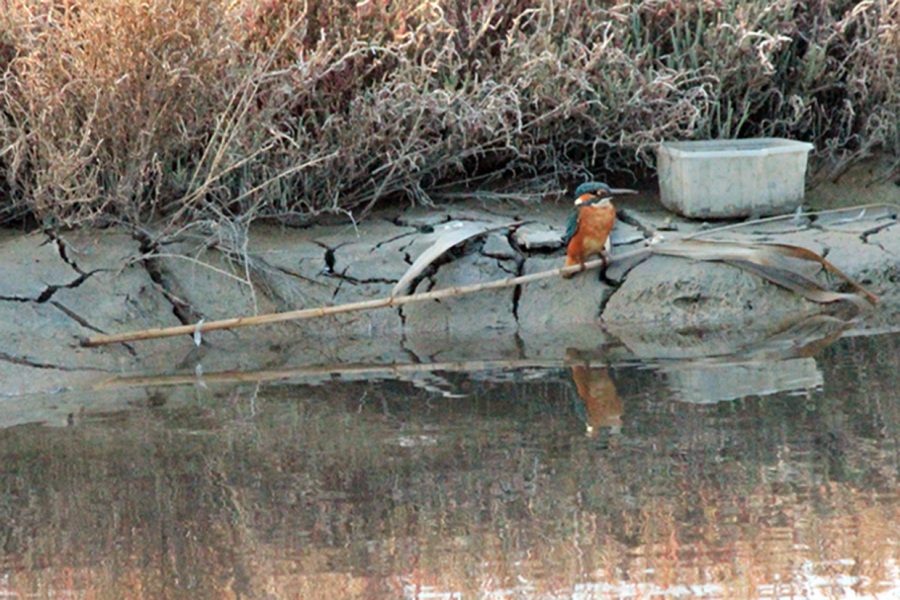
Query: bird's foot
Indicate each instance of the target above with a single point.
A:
(571, 275)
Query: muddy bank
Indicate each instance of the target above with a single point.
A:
(58, 290)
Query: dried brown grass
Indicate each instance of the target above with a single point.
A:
(214, 110)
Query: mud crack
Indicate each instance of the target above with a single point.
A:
(63, 250)
(865, 235)
(358, 281)
(27, 362)
(626, 217)
(148, 247)
(519, 259)
(331, 270)
(400, 236)
(51, 289)
(75, 317)
(329, 259)
(47, 293)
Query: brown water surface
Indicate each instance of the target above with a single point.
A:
(751, 478)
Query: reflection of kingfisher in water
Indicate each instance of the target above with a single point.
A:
(589, 226)
(602, 405)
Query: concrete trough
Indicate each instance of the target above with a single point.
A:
(724, 179)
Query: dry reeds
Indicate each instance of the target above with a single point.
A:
(167, 110)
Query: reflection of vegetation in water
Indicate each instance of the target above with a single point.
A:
(370, 487)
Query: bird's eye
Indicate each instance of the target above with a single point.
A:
(583, 199)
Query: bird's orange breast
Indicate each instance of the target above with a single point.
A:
(594, 226)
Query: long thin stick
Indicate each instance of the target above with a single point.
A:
(322, 311)
(390, 301)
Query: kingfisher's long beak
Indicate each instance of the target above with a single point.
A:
(621, 191)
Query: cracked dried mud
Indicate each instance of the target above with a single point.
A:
(58, 289)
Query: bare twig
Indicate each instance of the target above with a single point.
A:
(324, 311)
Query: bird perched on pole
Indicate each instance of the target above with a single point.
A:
(591, 222)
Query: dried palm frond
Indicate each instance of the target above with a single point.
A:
(453, 234)
(773, 263)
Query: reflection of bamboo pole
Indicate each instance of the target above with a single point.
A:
(389, 369)
(324, 311)
(798, 340)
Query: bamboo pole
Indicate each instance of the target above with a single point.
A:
(324, 311)
(393, 301)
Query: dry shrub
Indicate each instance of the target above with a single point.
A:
(234, 110)
(107, 102)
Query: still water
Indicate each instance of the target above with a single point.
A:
(762, 476)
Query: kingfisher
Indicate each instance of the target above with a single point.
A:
(592, 220)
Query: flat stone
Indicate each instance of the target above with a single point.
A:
(496, 245)
(32, 263)
(624, 234)
(868, 263)
(213, 286)
(361, 270)
(103, 250)
(556, 302)
(117, 302)
(308, 286)
(482, 311)
(40, 341)
(684, 293)
(539, 236)
(378, 321)
(888, 240)
(40, 352)
(422, 218)
(364, 262)
(373, 232)
(646, 209)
